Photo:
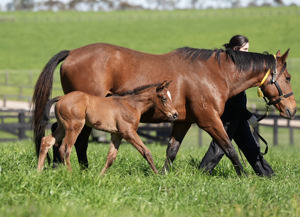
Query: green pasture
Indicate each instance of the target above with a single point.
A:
(29, 40)
(131, 189)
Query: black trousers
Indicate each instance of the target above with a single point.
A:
(241, 133)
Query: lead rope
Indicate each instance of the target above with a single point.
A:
(259, 136)
(257, 133)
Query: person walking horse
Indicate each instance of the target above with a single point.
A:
(236, 119)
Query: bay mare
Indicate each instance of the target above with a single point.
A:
(202, 81)
(118, 115)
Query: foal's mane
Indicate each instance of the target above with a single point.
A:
(243, 60)
(137, 90)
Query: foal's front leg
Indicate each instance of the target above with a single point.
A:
(113, 151)
(134, 139)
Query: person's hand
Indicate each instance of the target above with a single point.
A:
(253, 121)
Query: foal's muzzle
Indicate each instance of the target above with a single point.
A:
(173, 116)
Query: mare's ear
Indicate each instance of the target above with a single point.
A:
(278, 54)
(285, 56)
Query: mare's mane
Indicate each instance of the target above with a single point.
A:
(137, 90)
(243, 60)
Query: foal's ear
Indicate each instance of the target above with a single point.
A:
(163, 85)
(167, 83)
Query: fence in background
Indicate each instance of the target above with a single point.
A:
(17, 123)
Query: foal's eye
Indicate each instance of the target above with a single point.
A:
(288, 78)
(164, 99)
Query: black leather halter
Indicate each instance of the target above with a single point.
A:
(273, 81)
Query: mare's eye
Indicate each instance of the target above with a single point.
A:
(288, 78)
(164, 99)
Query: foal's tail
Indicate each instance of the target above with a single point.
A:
(41, 96)
(46, 116)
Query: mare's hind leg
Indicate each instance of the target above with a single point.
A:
(179, 131)
(81, 146)
(113, 151)
(56, 156)
(132, 137)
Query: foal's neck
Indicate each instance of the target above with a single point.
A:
(142, 101)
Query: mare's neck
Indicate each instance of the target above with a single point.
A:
(241, 81)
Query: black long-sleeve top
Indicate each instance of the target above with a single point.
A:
(236, 108)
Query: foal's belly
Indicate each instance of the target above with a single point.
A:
(103, 126)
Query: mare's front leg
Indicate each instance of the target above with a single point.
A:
(219, 134)
(113, 151)
(179, 131)
(132, 137)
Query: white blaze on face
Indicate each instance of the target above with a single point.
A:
(169, 94)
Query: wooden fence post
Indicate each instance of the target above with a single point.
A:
(21, 117)
(275, 131)
(291, 133)
(200, 136)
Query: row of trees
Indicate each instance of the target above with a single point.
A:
(95, 5)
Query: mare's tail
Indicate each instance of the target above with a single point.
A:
(41, 96)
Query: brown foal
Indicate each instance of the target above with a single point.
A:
(120, 115)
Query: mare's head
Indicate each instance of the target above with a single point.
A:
(278, 90)
(163, 101)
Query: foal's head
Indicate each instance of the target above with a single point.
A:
(163, 101)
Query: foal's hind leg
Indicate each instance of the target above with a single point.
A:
(67, 144)
(48, 142)
(134, 139)
(113, 151)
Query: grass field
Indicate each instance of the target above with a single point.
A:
(131, 189)
(29, 40)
